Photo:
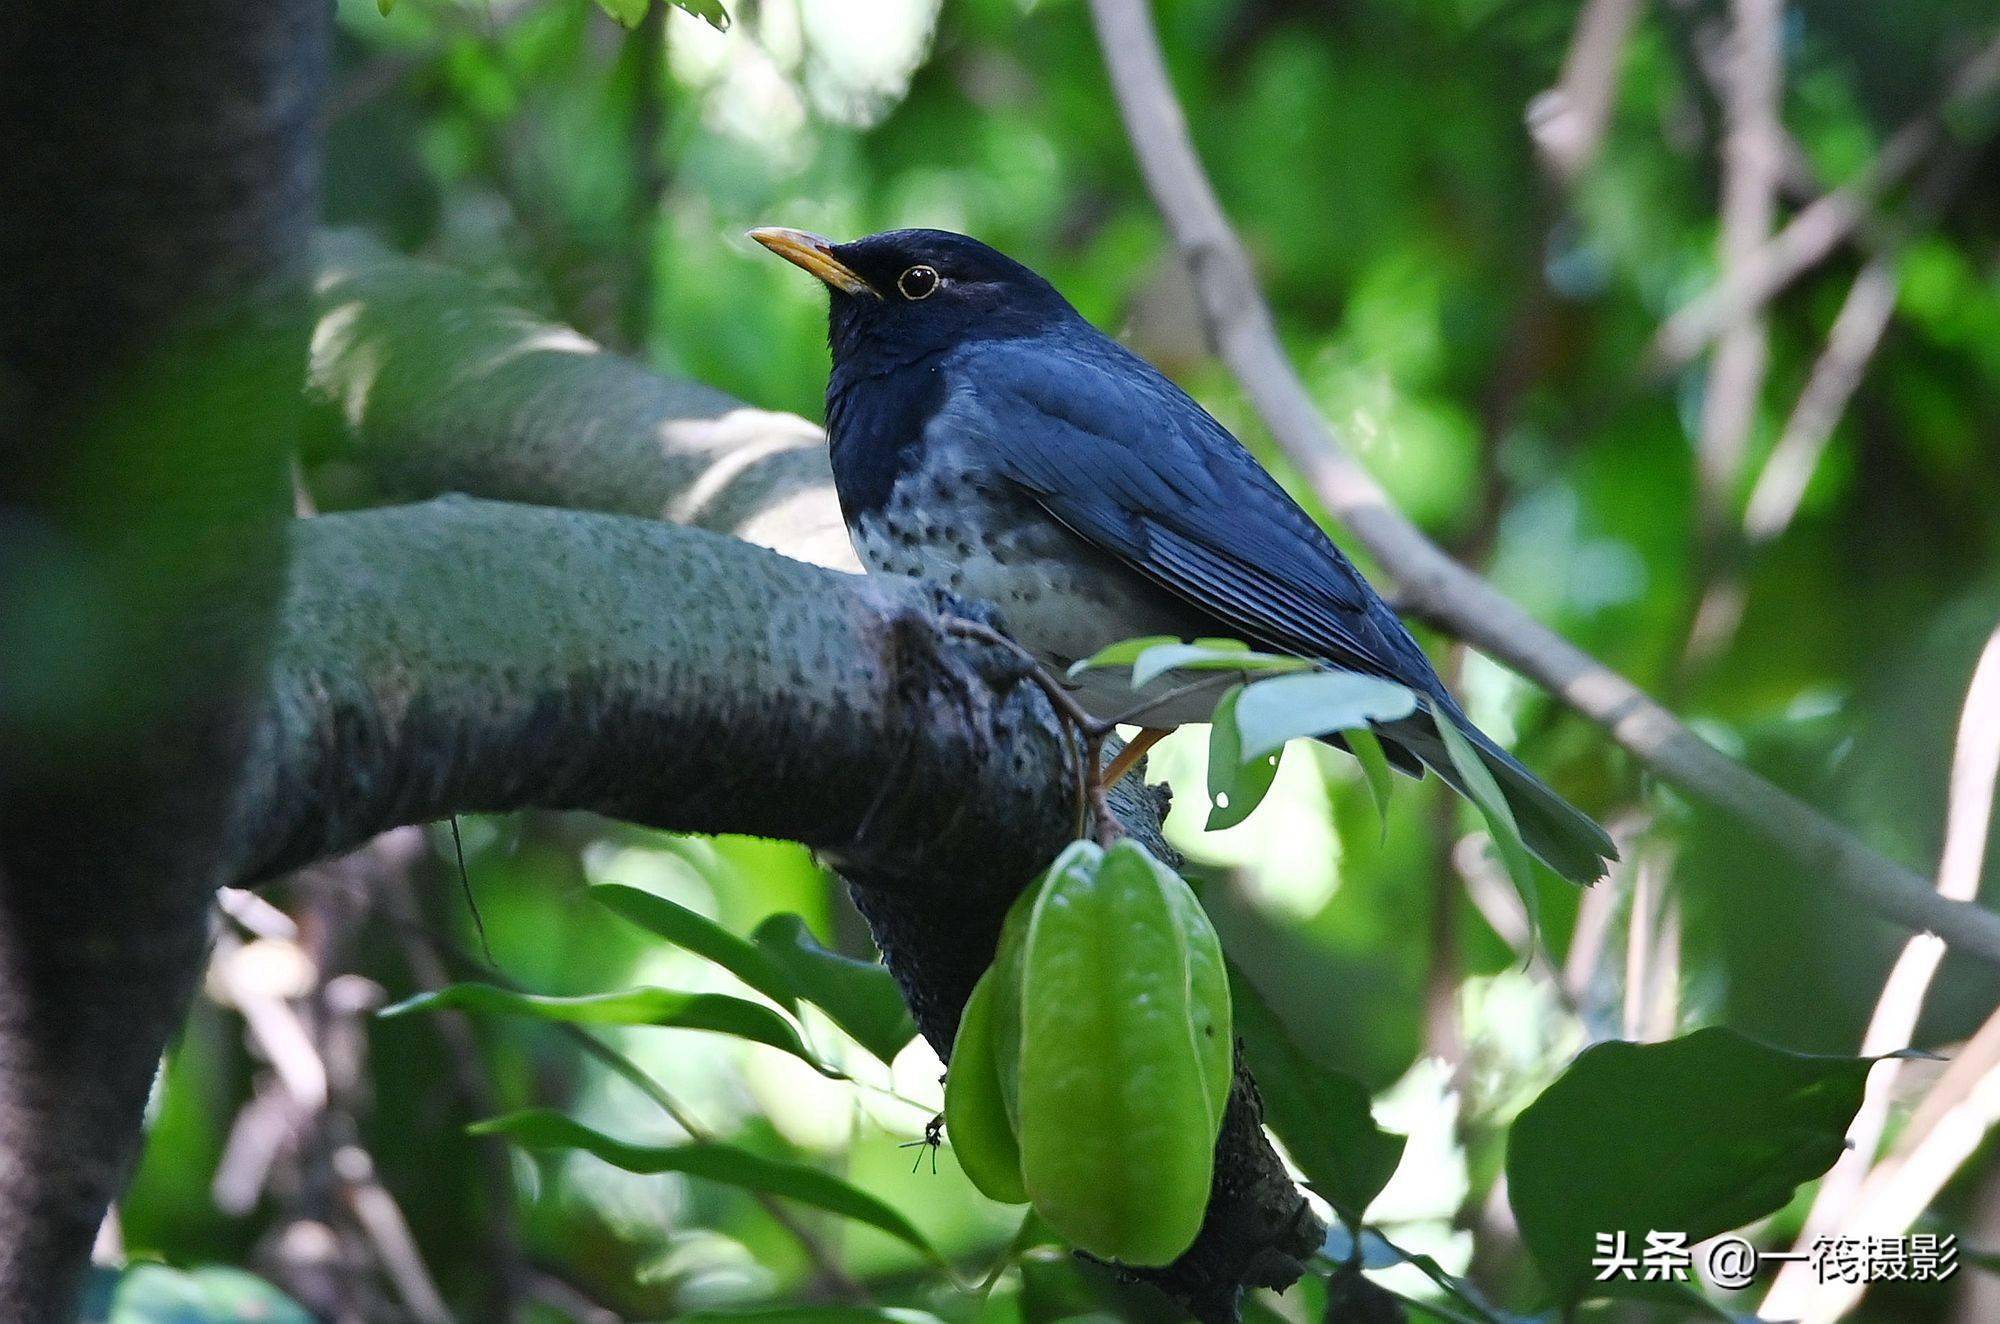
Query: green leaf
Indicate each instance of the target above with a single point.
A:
(1325, 1118)
(1208, 655)
(627, 12)
(1272, 712)
(1152, 656)
(1700, 1135)
(210, 1294)
(1381, 779)
(632, 12)
(702, 936)
(860, 996)
(384, 6)
(1121, 654)
(709, 11)
(1235, 787)
(809, 1315)
(541, 1128)
(1492, 805)
(668, 1008)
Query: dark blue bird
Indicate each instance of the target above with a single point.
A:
(987, 437)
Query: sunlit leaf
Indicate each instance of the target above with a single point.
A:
(1699, 1135)
(1284, 708)
(1375, 770)
(1152, 656)
(860, 996)
(627, 12)
(1208, 655)
(631, 12)
(1121, 654)
(540, 1128)
(1492, 805)
(710, 11)
(717, 1013)
(1325, 1118)
(1235, 787)
(809, 1315)
(702, 936)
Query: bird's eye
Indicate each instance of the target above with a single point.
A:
(918, 282)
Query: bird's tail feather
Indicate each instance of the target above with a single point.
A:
(1555, 831)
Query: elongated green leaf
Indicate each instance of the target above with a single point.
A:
(1284, 708)
(1121, 654)
(1325, 1118)
(702, 936)
(631, 12)
(709, 11)
(1492, 805)
(1700, 1135)
(860, 996)
(1152, 656)
(810, 1315)
(1209, 655)
(1235, 787)
(1381, 779)
(627, 12)
(667, 1008)
(541, 1128)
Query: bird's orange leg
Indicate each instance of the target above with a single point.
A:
(1147, 738)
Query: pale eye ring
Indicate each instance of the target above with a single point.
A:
(919, 282)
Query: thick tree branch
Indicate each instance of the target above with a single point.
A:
(464, 655)
(470, 655)
(442, 387)
(1436, 587)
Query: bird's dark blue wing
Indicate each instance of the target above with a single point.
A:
(1127, 461)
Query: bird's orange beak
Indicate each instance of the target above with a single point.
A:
(814, 253)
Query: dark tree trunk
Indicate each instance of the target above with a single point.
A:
(155, 205)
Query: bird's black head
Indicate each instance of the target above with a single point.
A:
(902, 295)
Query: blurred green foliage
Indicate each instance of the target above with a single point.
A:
(1477, 332)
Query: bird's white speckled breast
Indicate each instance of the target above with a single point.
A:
(983, 538)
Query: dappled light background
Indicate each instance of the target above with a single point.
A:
(1477, 323)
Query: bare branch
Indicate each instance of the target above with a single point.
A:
(1751, 160)
(1240, 326)
(1817, 230)
(1836, 374)
(1568, 120)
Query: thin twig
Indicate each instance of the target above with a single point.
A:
(1749, 205)
(1569, 119)
(1240, 325)
(1857, 330)
(1820, 228)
